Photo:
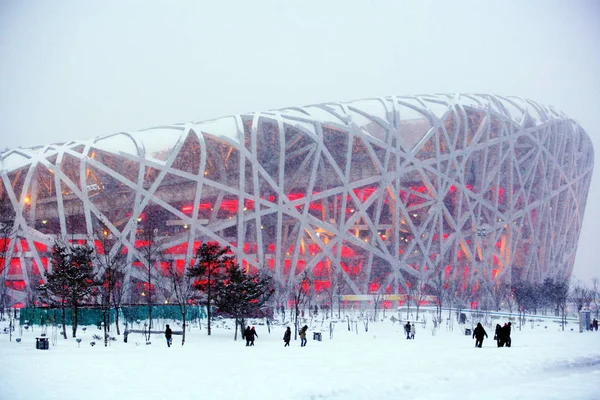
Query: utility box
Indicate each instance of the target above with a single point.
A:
(585, 320)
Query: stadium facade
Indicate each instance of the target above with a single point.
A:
(371, 192)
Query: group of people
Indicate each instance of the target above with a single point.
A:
(287, 336)
(410, 330)
(501, 335)
(250, 334)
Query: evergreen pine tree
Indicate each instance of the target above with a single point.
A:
(242, 295)
(211, 260)
(71, 281)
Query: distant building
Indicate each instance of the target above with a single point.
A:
(369, 193)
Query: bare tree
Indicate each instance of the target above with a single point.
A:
(495, 292)
(509, 298)
(461, 291)
(595, 294)
(378, 297)
(301, 292)
(338, 286)
(111, 263)
(181, 285)
(581, 296)
(7, 235)
(416, 290)
(150, 252)
(561, 296)
(280, 297)
(437, 284)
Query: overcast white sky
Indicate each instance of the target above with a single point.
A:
(78, 69)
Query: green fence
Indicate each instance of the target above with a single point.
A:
(93, 316)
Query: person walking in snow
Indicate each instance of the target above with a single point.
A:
(246, 335)
(506, 340)
(169, 336)
(407, 330)
(253, 335)
(303, 335)
(413, 329)
(498, 336)
(287, 336)
(478, 334)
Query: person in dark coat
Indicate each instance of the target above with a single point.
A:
(287, 336)
(169, 336)
(498, 336)
(253, 335)
(506, 335)
(246, 335)
(478, 334)
(407, 329)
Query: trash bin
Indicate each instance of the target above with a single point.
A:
(42, 343)
(317, 336)
(468, 332)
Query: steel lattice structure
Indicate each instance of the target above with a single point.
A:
(374, 191)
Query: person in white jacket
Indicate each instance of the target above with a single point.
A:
(412, 331)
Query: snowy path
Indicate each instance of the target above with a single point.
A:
(380, 365)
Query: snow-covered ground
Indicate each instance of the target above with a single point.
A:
(378, 364)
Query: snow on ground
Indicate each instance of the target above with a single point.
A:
(378, 364)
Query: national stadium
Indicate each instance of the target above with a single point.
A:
(369, 192)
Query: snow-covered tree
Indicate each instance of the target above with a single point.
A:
(242, 295)
(71, 281)
(210, 262)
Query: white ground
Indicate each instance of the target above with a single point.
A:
(378, 364)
